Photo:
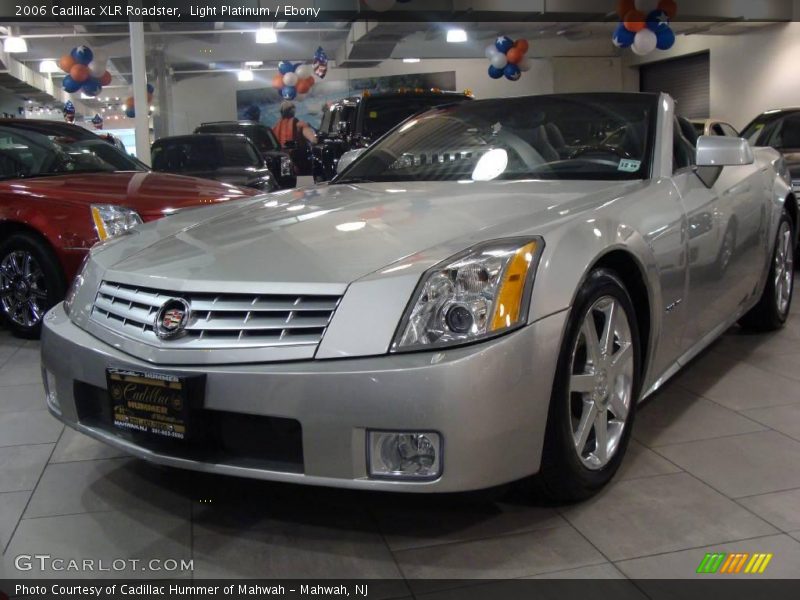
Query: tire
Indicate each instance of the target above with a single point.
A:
(31, 282)
(773, 307)
(566, 476)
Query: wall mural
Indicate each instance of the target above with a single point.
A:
(263, 104)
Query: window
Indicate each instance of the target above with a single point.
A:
(683, 150)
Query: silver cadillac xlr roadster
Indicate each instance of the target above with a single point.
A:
(483, 295)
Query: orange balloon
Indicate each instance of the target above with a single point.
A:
(311, 81)
(149, 98)
(522, 46)
(66, 62)
(669, 7)
(129, 102)
(79, 73)
(624, 7)
(303, 86)
(635, 21)
(277, 81)
(515, 55)
(105, 78)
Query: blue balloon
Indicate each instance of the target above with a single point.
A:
(289, 92)
(504, 43)
(285, 67)
(657, 20)
(82, 54)
(665, 38)
(70, 85)
(92, 86)
(150, 88)
(622, 37)
(130, 113)
(512, 72)
(494, 72)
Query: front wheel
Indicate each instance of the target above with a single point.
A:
(595, 392)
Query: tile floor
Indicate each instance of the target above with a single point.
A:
(714, 466)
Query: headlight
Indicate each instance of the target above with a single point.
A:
(110, 220)
(287, 167)
(475, 295)
(75, 286)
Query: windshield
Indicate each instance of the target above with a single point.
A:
(781, 132)
(581, 136)
(25, 153)
(201, 153)
(381, 114)
(262, 137)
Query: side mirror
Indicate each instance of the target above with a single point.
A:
(718, 151)
(347, 158)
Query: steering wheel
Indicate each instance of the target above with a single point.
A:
(601, 149)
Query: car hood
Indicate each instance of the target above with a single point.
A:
(151, 194)
(341, 233)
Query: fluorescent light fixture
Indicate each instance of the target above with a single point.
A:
(15, 44)
(455, 36)
(253, 63)
(245, 75)
(410, 60)
(48, 66)
(266, 35)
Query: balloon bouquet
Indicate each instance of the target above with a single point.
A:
(86, 71)
(644, 25)
(130, 105)
(295, 80)
(69, 111)
(507, 58)
(97, 121)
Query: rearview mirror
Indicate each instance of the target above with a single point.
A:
(718, 151)
(347, 158)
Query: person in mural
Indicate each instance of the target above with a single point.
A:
(294, 136)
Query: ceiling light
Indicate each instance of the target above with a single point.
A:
(48, 66)
(245, 75)
(410, 60)
(253, 63)
(266, 35)
(352, 226)
(455, 36)
(15, 44)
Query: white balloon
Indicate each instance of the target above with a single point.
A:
(379, 5)
(490, 51)
(499, 60)
(646, 6)
(304, 71)
(290, 79)
(525, 65)
(644, 42)
(98, 66)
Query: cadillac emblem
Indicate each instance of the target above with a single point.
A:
(172, 318)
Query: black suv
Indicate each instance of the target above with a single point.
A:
(358, 121)
(280, 163)
(781, 130)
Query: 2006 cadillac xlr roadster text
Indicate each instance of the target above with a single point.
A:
(485, 294)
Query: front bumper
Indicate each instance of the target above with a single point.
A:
(488, 401)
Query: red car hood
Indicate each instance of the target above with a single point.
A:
(151, 194)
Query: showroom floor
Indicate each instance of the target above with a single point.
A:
(715, 466)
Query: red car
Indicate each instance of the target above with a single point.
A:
(63, 189)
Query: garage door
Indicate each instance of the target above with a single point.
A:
(685, 79)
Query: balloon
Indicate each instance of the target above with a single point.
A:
(515, 55)
(70, 85)
(512, 72)
(634, 21)
(304, 71)
(277, 81)
(624, 7)
(623, 38)
(657, 20)
(311, 81)
(525, 65)
(494, 72)
(290, 93)
(290, 79)
(82, 54)
(646, 6)
(285, 67)
(669, 7)
(80, 73)
(130, 113)
(105, 78)
(150, 88)
(149, 98)
(98, 66)
(504, 43)
(92, 87)
(303, 86)
(66, 62)
(665, 38)
(379, 5)
(522, 45)
(499, 60)
(129, 102)
(644, 42)
(490, 51)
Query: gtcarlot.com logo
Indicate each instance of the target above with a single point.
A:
(736, 563)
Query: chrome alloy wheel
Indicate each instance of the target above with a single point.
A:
(784, 268)
(601, 382)
(23, 292)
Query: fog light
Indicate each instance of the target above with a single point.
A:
(50, 395)
(404, 455)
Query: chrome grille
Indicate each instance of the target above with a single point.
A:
(217, 320)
